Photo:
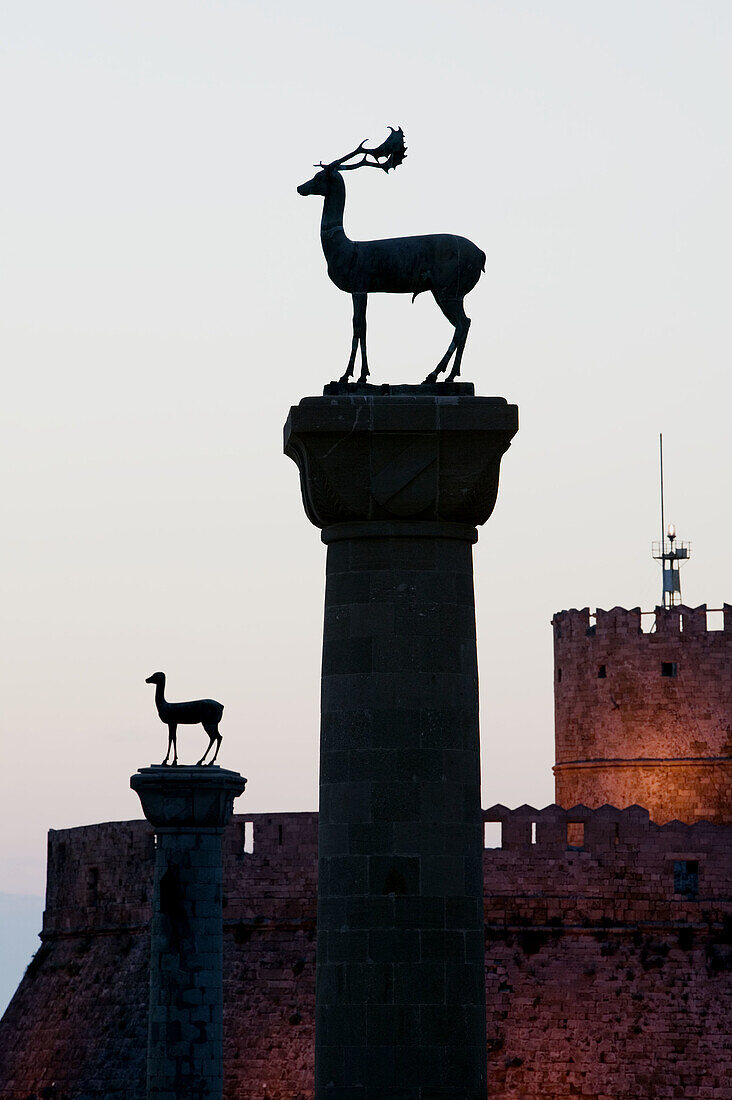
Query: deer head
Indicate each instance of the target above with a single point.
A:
(386, 156)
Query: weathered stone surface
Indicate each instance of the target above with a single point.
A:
(398, 482)
(644, 718)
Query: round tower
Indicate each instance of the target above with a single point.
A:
(644, 718)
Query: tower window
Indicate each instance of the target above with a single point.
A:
(559, 675)
(686, 878)
(575, 834)
(602, 672)
(668, 668)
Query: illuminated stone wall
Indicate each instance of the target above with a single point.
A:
(644, 718)
(608, 968)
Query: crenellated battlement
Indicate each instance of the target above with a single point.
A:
(581, 622)
(604, 868)
(100, 876)
(554, 827)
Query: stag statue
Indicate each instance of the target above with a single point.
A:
(447, 265)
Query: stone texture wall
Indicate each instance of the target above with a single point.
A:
(644, 718)
(602, 979)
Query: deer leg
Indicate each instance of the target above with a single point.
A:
(212, 729)
(461, 335)
(359, 321)
(359, 324)
(211, 739)
(447, 305)
(172, 743)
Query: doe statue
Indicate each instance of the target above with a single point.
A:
(447, 265)
(206, 711)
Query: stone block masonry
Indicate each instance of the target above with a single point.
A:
(644, 717)
(188, 808)
(398, 481)
(602, 978)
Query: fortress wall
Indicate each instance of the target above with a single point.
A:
(99, 876)
(601, 979)
(644, 718)
(78, 1021)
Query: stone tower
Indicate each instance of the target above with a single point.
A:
(644, 718)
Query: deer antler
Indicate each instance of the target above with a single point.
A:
(337, 163)
(393, 149)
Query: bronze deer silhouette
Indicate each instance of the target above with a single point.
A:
(442, 263)
(206, 711)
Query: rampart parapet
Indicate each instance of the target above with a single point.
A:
(582, 622)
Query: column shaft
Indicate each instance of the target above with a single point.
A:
(188, 807)
(186, 982)
(400, 959)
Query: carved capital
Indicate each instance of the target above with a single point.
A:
(399, 453)
(187, 797)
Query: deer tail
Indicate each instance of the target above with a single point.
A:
(420, 291)
(484, 259)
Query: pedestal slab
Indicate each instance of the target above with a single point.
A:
(397, 482)
(188, 807)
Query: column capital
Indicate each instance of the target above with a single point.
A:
(185, 797)
(416, 453)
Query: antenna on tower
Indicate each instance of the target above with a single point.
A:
(669, 552)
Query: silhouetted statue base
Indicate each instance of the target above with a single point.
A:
(386, 389)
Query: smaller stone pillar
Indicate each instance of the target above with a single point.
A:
(188, 807)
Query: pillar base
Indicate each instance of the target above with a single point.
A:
(409, 454)
(187, 795)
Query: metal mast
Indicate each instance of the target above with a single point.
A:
(669, 552)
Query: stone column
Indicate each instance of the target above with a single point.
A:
(188, 807)
(398, 479)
